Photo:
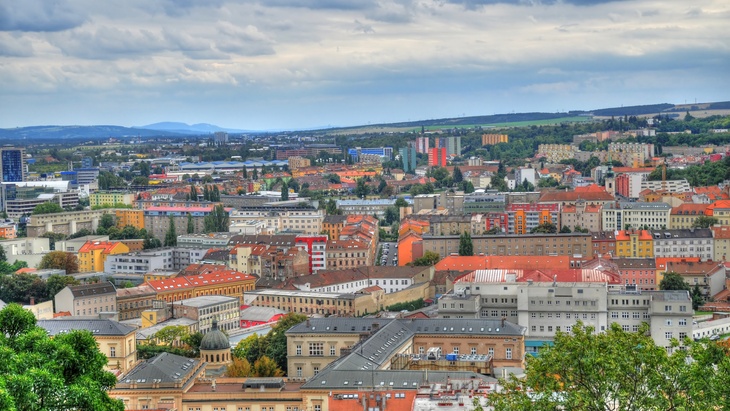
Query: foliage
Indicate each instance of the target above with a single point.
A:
(565, 229)
(217, 220)
(466, 246)
(81, 233)
(697, 298)
(276, 339)
(193, 195)
(673, 281)
(457, 175)
(191, 224)
(171, 334)
(707, 174)
(48, 207)
(60, 260)
(391, 215)
(617, 370)
(548, 182)
(171, 235)
(429, 258)
(56, 283)
(331, 208)
(705, 222)
(417, 189)
(401, 202)
(406, 305)
(362, 189)
(109, 180)
(545, 228)
(3, 257)
(250, 348)
(43, 373)
(151, 242)
(266, 367)
(284, 191)
(115, 205)
(240, 367)
(52, 238)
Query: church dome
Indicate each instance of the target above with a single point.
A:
(215, 339)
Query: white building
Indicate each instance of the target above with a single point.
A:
(692, 242)
(621, 214)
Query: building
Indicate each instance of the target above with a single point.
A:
(408, 158)
(721, 235)
(385, 153)
(581, 216)
(634, 244)
(671, 186)
(87, 299)
(210, 240)
(65, 223)
(640, 272)
(492, 139)
(708, 275)
(25, 206)
(523, 218)
(316, 248)
(133, 301)
(284, 219)
(604, 242)
(115, 340)
(86, 176)
(217, 281)
(366, 207)
(93, 254)
(351, 280)
(528, 174)
(208, 308)
(553, 153)
(21, 248)
(625, 215)
(253, 316)
(484, 202)
(333, 225)
(111, 198)
(720, 210)
(297, 162)
(422, 145)
(451, 144)
(692, 242)
(157, 218)
(685, 215)
(13, 166)
(318, 342)
(345, 254)
(437, 157)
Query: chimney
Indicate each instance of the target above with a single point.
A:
(308, 323)
(32, 300)
(503, 320)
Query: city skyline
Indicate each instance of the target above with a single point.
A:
(289, 64)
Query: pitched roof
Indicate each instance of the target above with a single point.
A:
(254, 313)
(545, 275)
(87, 290)
(625, 235)
(694, 268)
(721, 233)
(572, 196)
(689, 209)
(163, 368)
(105, 246)
(97, 326)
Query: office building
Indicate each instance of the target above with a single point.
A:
(13, 165)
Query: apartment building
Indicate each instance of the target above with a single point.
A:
(131, 302)
(622, 214)
(581, 215)
(87, 299)
(365, 207)
(93, 254)
(685, 215)
(345, 254)
(708, 275)
(692, 242)
(492, 139)
(523, 217)
(129, 217)
(316, 248)
(720, 210)
(390, 279)
(297, 162)
(221, 282)
(553, 153)
(721, 235)
(333, 224)
(157, 218)
(639, 272)
(65, 223)
(19, 207)
(634, 243)
(279, 219)
(111, 198)
(208, 308)
(670, 186)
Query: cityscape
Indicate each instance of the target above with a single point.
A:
(498, 205)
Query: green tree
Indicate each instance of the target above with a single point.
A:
(60, 260)
(266, 367)
(255, 175)
(673, 281)
(171, 236)
(3, 258)
(39, 372)
(331, 208)
(193, 193)
(391, 215)
(216, 194)
(191, 224)
(401, 202)
(56, 283)
(361, 189)
(617, 370)
(217, 220)
(250, 348)
(466, 246)
(457, 175)
(245, 173)
(276, 338)
(48, 207)
(429, 258)
(705, 222)
(565, 229)
(697, 298)
(206, 193)
(140, 181)
(171, 334)
(239, 367)
(284, 191)
(545, 228)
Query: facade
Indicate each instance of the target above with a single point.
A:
(671, 186)
(720, 210)
(115, 340)
(634, 244)
(215, 282)
(19, 207)
(553, 153)
(437, 157)
(581, 215)
(65, 223)
(129, 217)
(492, 139)
(157, 218)
(13, 166)
(451, 144)
(623, 215)
(708, 275)
(408, 158)
(333, 225)
(604, 242)
(132, 302)
(523, 218)
(281, 219)
(211, 240)
(93, 254)
(385, 153)
(684, 215)
(87, 299)
(365, 207)
(20, 248)
(692, 242)
(297, 162)
(639, 272)
(316, 248)
(208, 308)
(110, 198)
(345, 254)
(721, 235)
(422, 145)
(352, 280)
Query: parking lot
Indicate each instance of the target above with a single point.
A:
(389, 254)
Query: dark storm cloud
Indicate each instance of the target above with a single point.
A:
(39, 15)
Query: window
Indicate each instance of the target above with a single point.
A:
(299, 349)
(299, 371)
(683, 322)
(315, 370)
(112, 351)
(668, 335)
(456, 350)
(332, 350)
(490, 351)
(508, 353)
(316, 349)
(473, 350)
(317, 407)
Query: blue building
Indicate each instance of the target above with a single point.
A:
(12, 164)
(385, 153)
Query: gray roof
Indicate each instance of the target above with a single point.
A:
(260, 313)
(97, 327)
(90, 290)
(672, 295)
(205, 301)
(447, 326)
(681, 233)
(405, 379)
(641, 263)
(165, 367)
(146, 333)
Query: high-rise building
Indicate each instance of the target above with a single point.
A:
(437, 157)
(408, 158)
(451, 144)
(492, 139)
(422, 144)
(12, 164)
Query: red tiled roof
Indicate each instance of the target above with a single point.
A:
(105, 246)
(623, 235)
(689, 209)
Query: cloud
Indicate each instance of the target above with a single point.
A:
(13, 45)
(40, 15)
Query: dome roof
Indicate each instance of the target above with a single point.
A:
(215, 339)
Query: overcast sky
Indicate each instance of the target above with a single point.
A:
(288, 64)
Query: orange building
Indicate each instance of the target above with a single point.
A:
(93, 254)
(7, 231)
(492, 139)
(333, 225)
(410, 248)
(634, 244)
(125, 217)
(223, 282)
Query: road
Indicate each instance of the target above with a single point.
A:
(390, 254)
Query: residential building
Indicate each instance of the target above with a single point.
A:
(589, 195)
(13, 166)
(385, 153)
(345, 254)
(65, 223)
(87, 299)
(93, 254)
(206, 241)
(365, 207)
(281, 219)
(316, 248)
(111, 198)
(220, 281)
(523, 218)
(634, 244)
(422, 145)
(639, 272)
(581, 215)
(8, 231)
(671, 186)
(333, 224)
(133, 301)
(437, 157)
(129, 217)
(86, 176)
(625, 215)
(20, 207)
(21, 248)
(157, 218)
(451, 144)
(720, 210)
(484, 202)
(604, 242)
(528, 174)
(352, 280)
(721, 235)
(208, 308)
(553, 153)
(408, 158)
(115, 340)
(685, 215)
(708, 275)
(692, 242)
(297, 162)
(492, 139)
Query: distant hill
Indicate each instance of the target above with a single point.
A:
(194, 129)
(76, 132)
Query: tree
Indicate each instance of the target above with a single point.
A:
(250, 348)
(391, 215)
(206, 193)
(617, 370)
(401, 202)
(39, 372)
(276, 339)
(545, 228)
(565, 229)
(216, 194)
(457, 175)
(171, 236)
(240, 367)
(193, 193)
(3, 257)
(284, 191)
(705, 222)
(56, 283)
(171, 334)
(48, 207)
(697, 298)
(266, 367)
(245, 173)
(466, 247)
(60, 260)
(191, 224)
(255, 175)
(673, 281)
(106, 222)
(140, 181)
(217, 220)
(361, 189)
(331, 208)
(429, 258)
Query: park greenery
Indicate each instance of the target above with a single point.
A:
(39, 372)
(619, 370)
(271, 346)
(174, 339)
(406, 305)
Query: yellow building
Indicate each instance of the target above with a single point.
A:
(634, 244)
(92, 255)
(126, 217)
(109, 198)
(492, 139)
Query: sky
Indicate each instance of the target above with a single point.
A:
(297, 64)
